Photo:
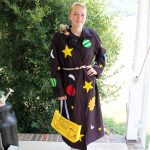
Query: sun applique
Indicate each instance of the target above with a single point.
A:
(67, 51)
(91, 104)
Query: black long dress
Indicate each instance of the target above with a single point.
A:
(70, 51)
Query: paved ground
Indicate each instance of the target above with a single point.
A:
(41, 145)
(54, 142)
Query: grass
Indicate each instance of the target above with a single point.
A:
(147, 141)
(114, 127)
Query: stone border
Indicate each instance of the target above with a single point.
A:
(57, 138)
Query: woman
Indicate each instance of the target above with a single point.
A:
(72, 55)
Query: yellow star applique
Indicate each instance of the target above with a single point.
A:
(88, 86)
(67, 51)
(72, 107)
(101, 66)
(91, 104)
(58, 68)
(99, 129)
(81, 135)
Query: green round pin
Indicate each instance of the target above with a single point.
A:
(53, 82)
(87, 43)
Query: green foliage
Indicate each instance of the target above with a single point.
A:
(147, 141)
(106, 27)
(26, 29)
(26, 32)
(113, 127)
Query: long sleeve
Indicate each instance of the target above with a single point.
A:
(100, 58)
(56, 72)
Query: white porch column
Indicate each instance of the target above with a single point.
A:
(138, 96)
(146, 103)
(146, 95)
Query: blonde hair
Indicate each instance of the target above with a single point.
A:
(77, 4)
(63, 28)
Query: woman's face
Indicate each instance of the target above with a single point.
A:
(77, 16)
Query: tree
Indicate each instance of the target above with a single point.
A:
(26, 30)
(105, 25)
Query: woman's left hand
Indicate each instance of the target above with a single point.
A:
(91, 71)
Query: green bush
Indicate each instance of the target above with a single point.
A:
(26, 30)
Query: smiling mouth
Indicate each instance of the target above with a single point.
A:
(78, 22)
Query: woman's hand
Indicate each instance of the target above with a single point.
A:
(91, 71)
(62, 98)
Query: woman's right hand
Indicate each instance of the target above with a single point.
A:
(62, 98)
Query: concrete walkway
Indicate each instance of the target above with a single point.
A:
(40, 145)
(55, 142)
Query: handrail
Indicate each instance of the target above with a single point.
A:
(138, 76)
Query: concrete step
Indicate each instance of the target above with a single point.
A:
(43, 145)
